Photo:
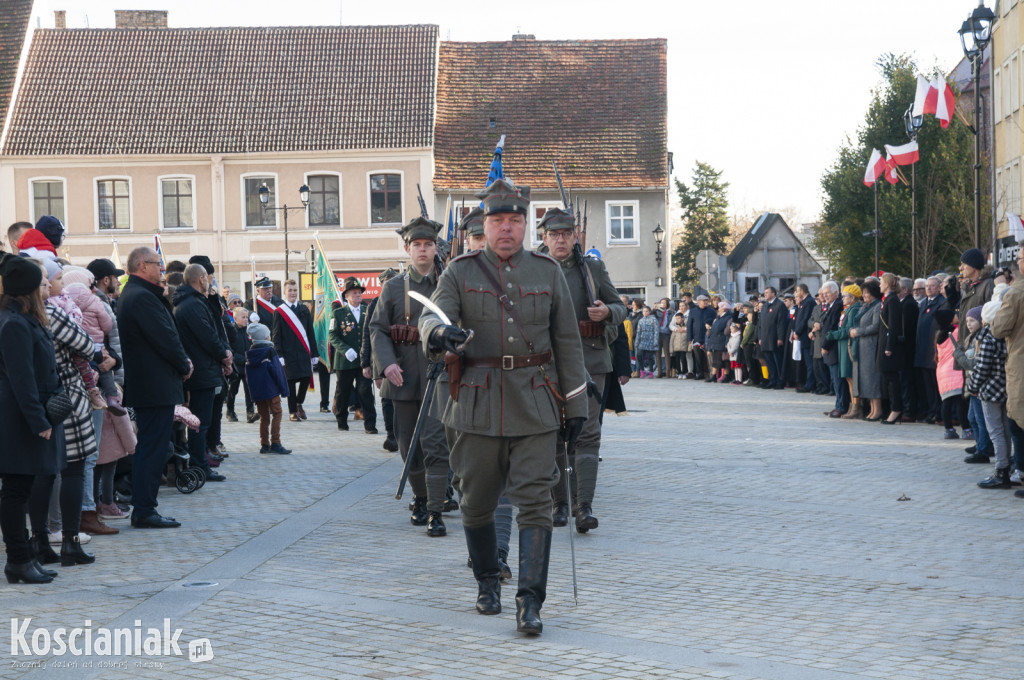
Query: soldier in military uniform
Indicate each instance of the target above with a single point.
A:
(599, 319)
(523, 366)
(398, 358)
(346, 336)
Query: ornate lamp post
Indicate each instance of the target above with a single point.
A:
(913, 124)
(975, 34)
(265, 199)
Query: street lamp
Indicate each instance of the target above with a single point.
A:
(265, 200)
(913, 125)
(659, 236)
(975, 33)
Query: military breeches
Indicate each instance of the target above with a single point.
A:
(588, 449)
(520, 467)
(430, 453)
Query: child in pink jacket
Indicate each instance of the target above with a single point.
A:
(78, 283)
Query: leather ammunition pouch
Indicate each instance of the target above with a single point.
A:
(591, 329)
(403, 334)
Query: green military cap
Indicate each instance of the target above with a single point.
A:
(387, 274)
(556, 219)
(473, 222)
(420, 227)
(505, 197)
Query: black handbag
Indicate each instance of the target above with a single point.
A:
(58, 407)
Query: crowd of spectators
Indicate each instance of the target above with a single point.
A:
(947, 350)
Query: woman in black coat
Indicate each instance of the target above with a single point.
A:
(28, 377)
(717, 339)
(890, 347)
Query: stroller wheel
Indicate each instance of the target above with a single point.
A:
(200, 474)
(186, 481)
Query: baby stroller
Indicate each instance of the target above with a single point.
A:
(187, 477)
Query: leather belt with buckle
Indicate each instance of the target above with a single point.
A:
(509, 362)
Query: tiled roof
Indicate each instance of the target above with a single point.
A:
(226, 90)
(13, 26)
(597, 107)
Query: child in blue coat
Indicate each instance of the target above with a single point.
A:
(267, 384)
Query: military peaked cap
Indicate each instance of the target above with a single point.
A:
(420, 227)
(556, 219)
(505, 197)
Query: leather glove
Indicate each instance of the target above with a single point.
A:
(449, 339)
(592, 389)
(571, 431)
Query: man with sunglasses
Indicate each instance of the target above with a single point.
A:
(155, 366)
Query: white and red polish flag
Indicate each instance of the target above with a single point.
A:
(876, 166)
(890, 170)
(903, 155)
(935, 97)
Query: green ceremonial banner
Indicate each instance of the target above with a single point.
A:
(325, 293)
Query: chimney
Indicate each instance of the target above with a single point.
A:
(60, 19)
(524, 36)
(140, 18)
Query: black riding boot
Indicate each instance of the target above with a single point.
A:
(482, 544)
(42, 550)
(71, 553)
(534, 551)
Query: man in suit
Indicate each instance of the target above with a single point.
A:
(832, 310)
(911, 312)
(802, 334)
(771, 336)
(696, 331)
(295, 344)
(155, 365)
(928, 399)
(346, 336)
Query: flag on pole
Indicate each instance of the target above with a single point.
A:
(496, 171)
(934, 97)
(876, 166)
(159, 251)
(115, 257)
(903, 155)
(891, 175)
(252, 273)
(325, 294)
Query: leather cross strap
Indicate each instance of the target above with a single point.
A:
(505, 302)
(509, 362)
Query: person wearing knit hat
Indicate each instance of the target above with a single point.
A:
(52, 228)
(52, 267)
(975, 284)
(33, 243)
(854, 290)
(988, 383)
(29, 377)
(267, 385)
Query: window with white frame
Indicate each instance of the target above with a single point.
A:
(255, 215)
(622, 219)
(113, 202)
(386, 198)
(48, 198)
(324, 200)
(1015, 179)
(1007, 88)
(537, 211)
(1014, 84)
(1000, 193)
(177, 203)
(997, 95)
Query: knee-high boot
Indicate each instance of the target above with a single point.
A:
(482, 543)
(534, 552)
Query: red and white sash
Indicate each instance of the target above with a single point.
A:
(293, 322)
(269, 307)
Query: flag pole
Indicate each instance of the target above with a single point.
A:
(875, 185)
(323, 254)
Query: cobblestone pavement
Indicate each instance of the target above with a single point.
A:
(743, 535)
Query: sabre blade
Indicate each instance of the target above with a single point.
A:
(425, 301)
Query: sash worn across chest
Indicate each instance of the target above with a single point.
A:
(293, 322)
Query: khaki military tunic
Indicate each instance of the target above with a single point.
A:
(506, 421)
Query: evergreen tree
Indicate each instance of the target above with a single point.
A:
(945, 217)
(705, 221)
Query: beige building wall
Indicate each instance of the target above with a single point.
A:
(1007, 110)
(219, 208)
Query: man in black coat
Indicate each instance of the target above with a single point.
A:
(210, 356)
(801, 334)
(696, 331)
(833, 309)
(929, 401)
(218, 306)
(295, 343)
(265, 302)
(155, 363)
(911, 312)
(772, 326)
